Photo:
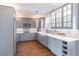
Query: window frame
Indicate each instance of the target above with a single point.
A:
(54, 19)
(67, 16)
(42, 22)
(62, 27)
(59, 17)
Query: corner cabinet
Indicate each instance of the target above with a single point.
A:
(43, 39)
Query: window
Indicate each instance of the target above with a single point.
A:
(62, 17)
(59, 18)
(48, 22)
(42, 22)
(67, 16)
(53, 19)
(37, 23)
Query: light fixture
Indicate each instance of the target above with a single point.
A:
(36, 12)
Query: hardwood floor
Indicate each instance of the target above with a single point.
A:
(32, 48)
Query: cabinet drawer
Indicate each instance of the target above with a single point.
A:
(64, 47)
(64, 52)
(64, 42)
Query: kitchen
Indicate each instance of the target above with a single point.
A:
(39, 29)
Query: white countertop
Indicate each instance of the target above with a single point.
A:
(21, 30)
(64, 38)
(60, 37)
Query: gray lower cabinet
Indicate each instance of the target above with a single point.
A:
(51, 43)
(55, 45)
(42, 39)
(69, 48)
(26, 36)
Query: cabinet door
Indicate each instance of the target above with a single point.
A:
(72, 48)
(28, 36)
(45, 41)
(39, 37)
(42, 39)
(55, 46)
(20, 36)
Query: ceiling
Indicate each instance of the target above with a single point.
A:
(29, 9)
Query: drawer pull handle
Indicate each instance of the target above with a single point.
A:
(64, 42)
(64, 47)
(65, 52)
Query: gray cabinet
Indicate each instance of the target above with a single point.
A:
(43, 39)
(69, 48)
(26, 36)
(62, 48)
(55, 45)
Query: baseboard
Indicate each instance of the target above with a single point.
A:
(26, 40)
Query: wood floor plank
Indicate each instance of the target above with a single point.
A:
(32, 48)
